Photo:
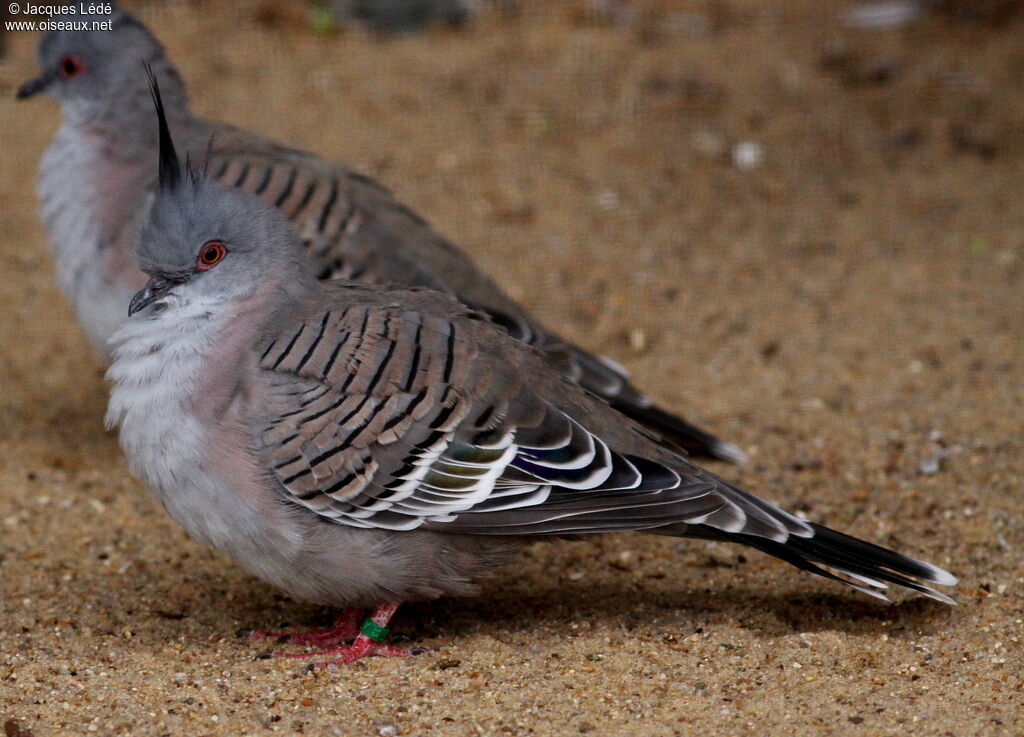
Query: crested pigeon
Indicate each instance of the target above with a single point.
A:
(362, 446)
(97, 178)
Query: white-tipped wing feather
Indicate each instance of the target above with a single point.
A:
(378, 416)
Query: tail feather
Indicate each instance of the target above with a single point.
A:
(687, 436)
(857, 563)
(610, 381)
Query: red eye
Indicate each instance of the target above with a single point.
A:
(70, 66)
(210, 255)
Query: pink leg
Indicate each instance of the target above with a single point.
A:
(363, 645)
(344, 629)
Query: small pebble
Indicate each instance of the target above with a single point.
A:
(747, 155)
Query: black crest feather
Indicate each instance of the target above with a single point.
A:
(170, 167)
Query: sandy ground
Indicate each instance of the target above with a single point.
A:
(846, 310)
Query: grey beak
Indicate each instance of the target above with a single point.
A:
(34, 86)
(155, 289)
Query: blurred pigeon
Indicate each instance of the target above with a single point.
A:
(96, 183)
(362, 446)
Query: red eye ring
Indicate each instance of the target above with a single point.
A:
(70, 66)
(210, 255)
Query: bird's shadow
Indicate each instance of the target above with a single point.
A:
(513, 611)
(676, 610)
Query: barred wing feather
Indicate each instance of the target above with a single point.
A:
(367, 421)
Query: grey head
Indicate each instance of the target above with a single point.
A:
(209, 245)
(96, 75)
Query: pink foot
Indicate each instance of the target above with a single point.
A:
(367, 638)
(361, 647)
(344, 629)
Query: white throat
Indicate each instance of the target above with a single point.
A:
(162, 358)
(159, 361)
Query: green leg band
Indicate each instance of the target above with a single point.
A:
(374, 631)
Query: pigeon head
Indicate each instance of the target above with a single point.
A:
(94, 74)
(207, 244)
